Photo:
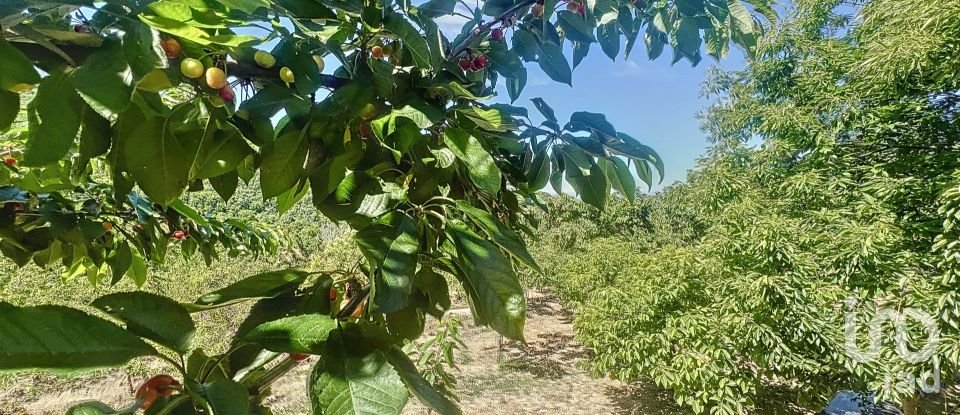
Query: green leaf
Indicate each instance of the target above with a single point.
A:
(151, 316)
(298, 334)
(141, 47)
(619, 176)
(609, 35)
(156, 160)
(421, 115)
(226, 397)
(740, 17)
(593, 188)
(94, 136)
(263, 285)
(282, 164)
(554, 64)
(15, 68)
(54, 118)
(483, 170)
(415, 382)
(9, 109)
(391, 245)
(575, 27)
(580, 51)
(100, 81)
(187, 30)
(686, 39)
(539, 173)
(544, 109)
(348, 381)
(290, 198)
(413, 42)
(60, 338)
(91, 408)
(631, 147)
(516, 84)
(499, 298)
(499, 233)
(225, 185)
(592, 122)
(487, 119)
(247, 6)
(221, 150)
(437, 8)
(138, 269)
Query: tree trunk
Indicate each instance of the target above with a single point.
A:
(911, 405)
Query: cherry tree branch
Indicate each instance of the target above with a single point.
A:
(484, 28)
(47, 59)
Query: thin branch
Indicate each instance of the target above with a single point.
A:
(484, 28)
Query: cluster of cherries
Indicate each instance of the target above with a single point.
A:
(473, 64)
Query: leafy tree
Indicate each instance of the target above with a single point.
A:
(130, 104)
(848, 206)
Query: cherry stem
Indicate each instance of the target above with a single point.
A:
(484, 28)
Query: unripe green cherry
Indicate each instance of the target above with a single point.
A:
(264, 59)
(368, 111)
(191, 68)
(286, 75)
(320, 64)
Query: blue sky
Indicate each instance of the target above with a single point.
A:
(651, 100)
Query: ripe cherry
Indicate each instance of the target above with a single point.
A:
(365, 130)
(573, 6)
(333, 294)
(537, 10)
(79, 29)
(377, 52)
(466, 64)
(479, 62)
(10, 161)
(179, 235)
(580, 10)
(227, 94)
(155, 387)
(216, 78)
(191, 68)
(497, 34)
(299, 357)
(171, 47)
(138, 228)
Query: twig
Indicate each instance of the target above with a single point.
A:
(484, 28)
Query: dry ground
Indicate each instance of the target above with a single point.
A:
(545, 376)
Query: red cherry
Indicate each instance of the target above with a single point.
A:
(160, 385)
(466, 64)
(580, 9)
(333, 294)
(171, 47)
(497, 34)
(179, 235)
(479, 62)
(299, 357)
(227, 94)
(79, 29)
(10, 161)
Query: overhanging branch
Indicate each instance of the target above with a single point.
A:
(47, 60)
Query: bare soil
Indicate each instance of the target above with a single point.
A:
(496, 376)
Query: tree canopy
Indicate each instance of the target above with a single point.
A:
(130, 104)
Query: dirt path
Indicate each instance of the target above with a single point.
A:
(544, 377)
